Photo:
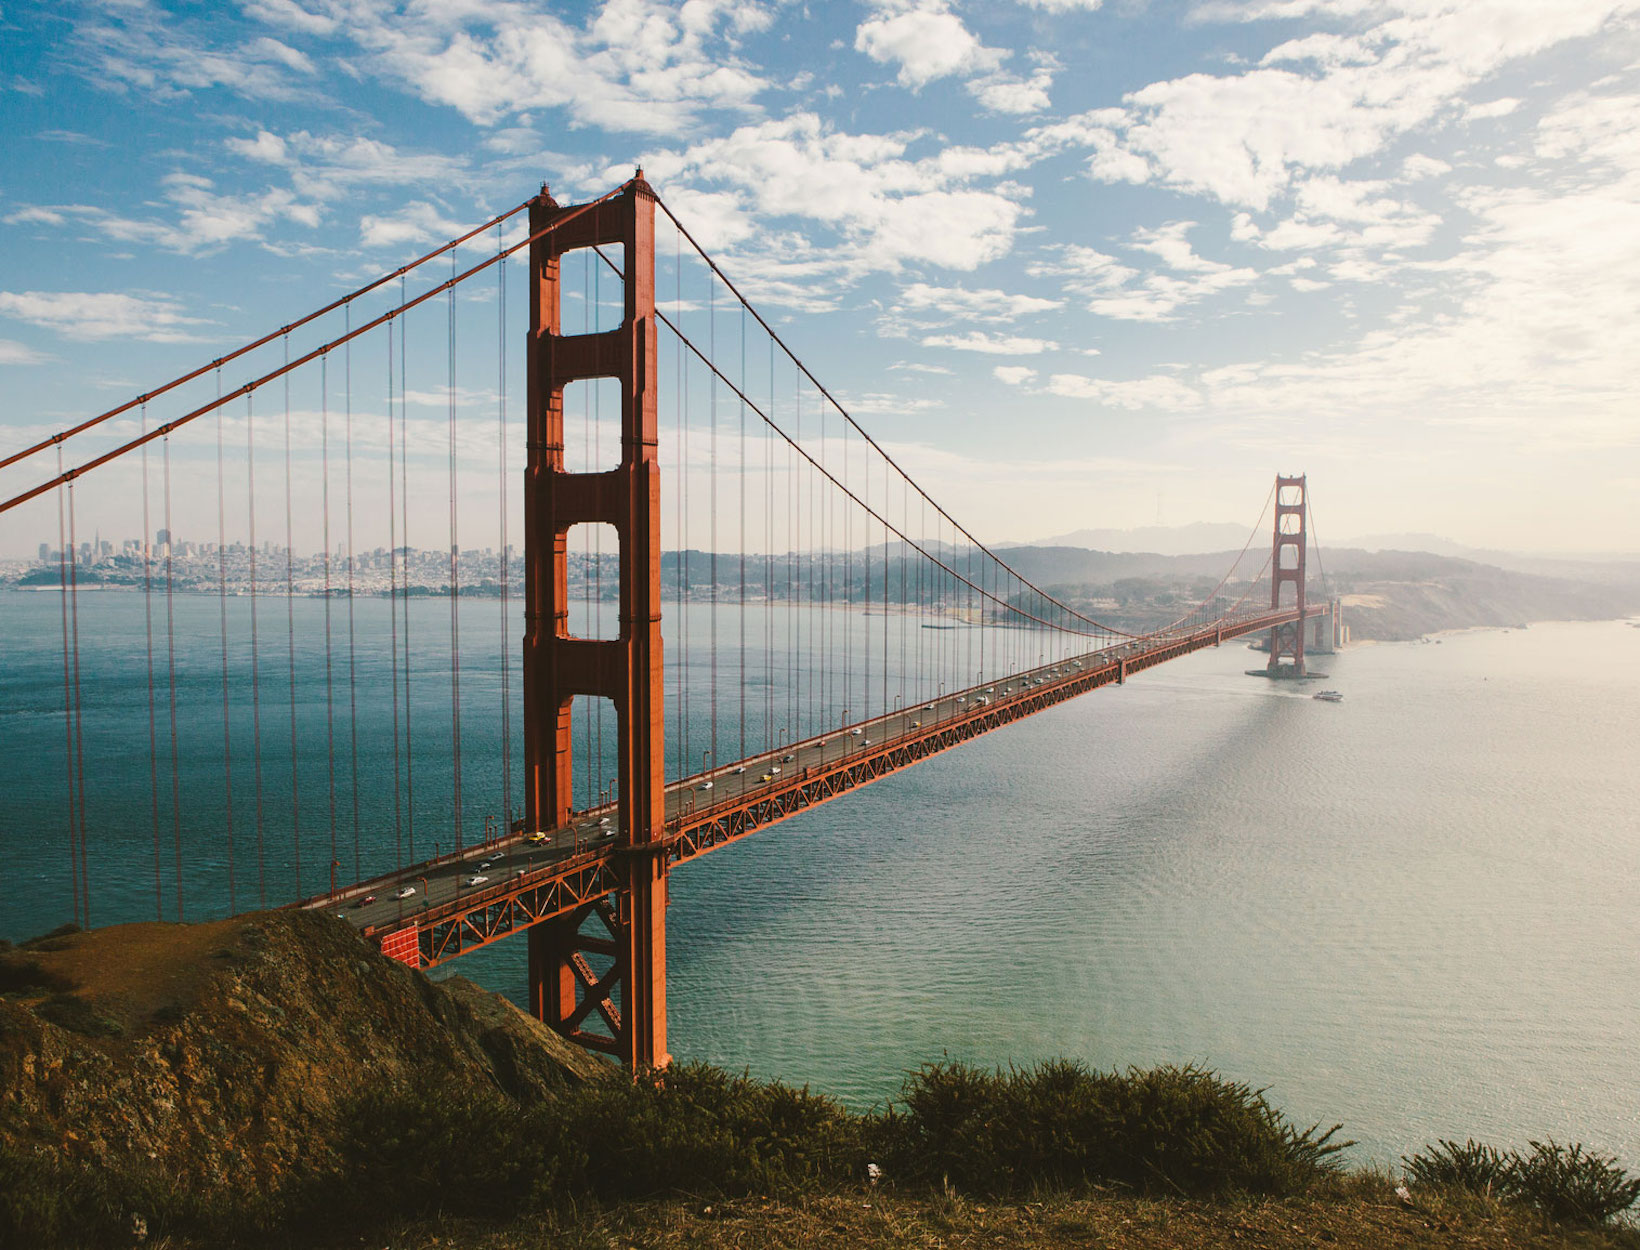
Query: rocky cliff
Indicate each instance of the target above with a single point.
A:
(234, 1054)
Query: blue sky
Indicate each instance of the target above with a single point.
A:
(1076, 263)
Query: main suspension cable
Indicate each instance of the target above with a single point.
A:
(344, 302)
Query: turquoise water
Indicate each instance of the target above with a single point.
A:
(1414, 911)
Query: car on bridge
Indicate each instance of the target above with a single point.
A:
(365, 901)
(475, 879)
(404, 892)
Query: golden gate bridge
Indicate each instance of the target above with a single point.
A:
(834, 624)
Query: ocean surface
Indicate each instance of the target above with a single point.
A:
(1416, 911)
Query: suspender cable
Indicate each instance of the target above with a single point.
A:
(79, 723)
(148, 629)
(222, 604)
(330, 694)
(685, 587)
(290, 643)
(597, 530)
(712, 556)
(393, 610)
(352, 647)
(591, 783)
(256, 663)
(506, 611)
(171, 668)
(65, 555)
(404, 534)
(768, 572)
(741, 610)
(455, 581)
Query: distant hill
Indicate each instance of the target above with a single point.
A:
(1166, 540)
(1388, 595)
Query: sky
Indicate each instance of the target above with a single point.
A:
(1076, 263)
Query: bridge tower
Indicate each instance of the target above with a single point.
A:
(629, 925)
(1291, 543)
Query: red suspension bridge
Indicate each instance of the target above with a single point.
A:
(828, 623)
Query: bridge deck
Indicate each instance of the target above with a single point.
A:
(529, 876)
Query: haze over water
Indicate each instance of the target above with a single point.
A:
(1414, 911)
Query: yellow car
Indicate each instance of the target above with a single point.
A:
(535, 839)
(766, 777)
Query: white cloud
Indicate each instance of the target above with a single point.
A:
(1158, 391)
(1013, 375)
(883, 405)
(1418, 166)
(891, 209)
(636, 65)
(135, 46)
(1592, 129)
(14, 353)
(928, 41)
(205, 221)
(87, 315)
(323, 167)
(991, 344)
(1002, 93)
(1242, 138)
(1123, 293)
(417, 222)
(1492, 108)
(947, 303)
(291, 15)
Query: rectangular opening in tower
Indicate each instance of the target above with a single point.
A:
(594, 757)
(592, 425)
(593, 553)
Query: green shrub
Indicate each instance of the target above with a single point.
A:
(1569, 1183)
(1566, 1183)
(1473, 1166)
(424, 1148)
(701, 1130)
(1184, 1129)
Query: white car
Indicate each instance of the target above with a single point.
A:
(856, 732)
(705, 785)
(739, 768)
(475, 879)
(406, 892)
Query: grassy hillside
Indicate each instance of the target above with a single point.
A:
(271, 1081)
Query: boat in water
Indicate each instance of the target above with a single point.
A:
(1328, 696)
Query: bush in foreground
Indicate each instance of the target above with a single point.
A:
(1176, 1129)
(1566, 1183)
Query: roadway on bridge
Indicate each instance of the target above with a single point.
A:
(382, 903)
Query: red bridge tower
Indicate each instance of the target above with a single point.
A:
(1287, 568)
(629, 924)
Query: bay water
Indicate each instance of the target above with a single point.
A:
(1416, 911)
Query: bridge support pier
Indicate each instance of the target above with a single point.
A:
(628, 928)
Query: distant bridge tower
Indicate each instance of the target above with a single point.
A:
(629, 925)
(1291, 543)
